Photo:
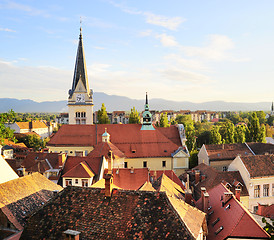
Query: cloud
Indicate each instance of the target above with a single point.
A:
(178, 60)
(7, 30)
(145, 33)
(37, 83)
(181, 75)
(171, 23)
(166, 40)
(25, 8)
(216, 49)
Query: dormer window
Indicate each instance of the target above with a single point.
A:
(219, 230)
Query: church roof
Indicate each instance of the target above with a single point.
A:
(128, 138)
(80, 70)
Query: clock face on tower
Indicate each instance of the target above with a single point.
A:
(80, 98)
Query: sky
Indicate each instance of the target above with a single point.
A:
(177, 50)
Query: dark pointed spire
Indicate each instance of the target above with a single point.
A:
(147, 117)
(80, 70)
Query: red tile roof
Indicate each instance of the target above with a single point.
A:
(213, 178)
(126, 215)
(170, 174)
(219, 152)
(103, 148)
(130, 179)
(37, 160)
(31, 125)
(261, 148)
(259, 165)
(157, 143)
(94, 163)
(82, 170)
(21, 196)
(234, 217)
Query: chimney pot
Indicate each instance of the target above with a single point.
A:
(205, 197)
(197, 176)
(238, 193)
(228, 195)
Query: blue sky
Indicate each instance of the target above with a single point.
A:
(177, 50)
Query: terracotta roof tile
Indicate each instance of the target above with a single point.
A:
(259, 165)
(126, 215)
(213, 178)
(35, 161)
(227, 151)
(82, 170)
(21, 196)
(261, 148)
(94, 163)
(130, 179)
(234, 217)
(157, 143)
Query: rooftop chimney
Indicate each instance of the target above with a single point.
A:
(110, 162)
(61, 159)
(197, 176)
(261, 208)
(108, 184)
(71, 235)
(238, 193)
(228, 195)
(205, 197)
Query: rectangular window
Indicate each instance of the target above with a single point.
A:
(126, 165)
(257, 191)
(76, 181)
(84, 183)
(273, 189)
(255, 209)
(266, 190)
(163, 163)
(68, 182)
(224, 168)
(144, 164)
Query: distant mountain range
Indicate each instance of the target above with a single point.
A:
(114, 102)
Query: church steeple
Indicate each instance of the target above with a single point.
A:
(272, 109)
(80, 102)
(147, 117)
(80, 70)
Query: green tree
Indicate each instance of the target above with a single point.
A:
(183, 119)
(193, 159)
(227, 132)
(239, 133)
(261, 115)
(102, 115)
(33, 141)
(190, 136)
(6, 132)
(134, 116)
(164, 120)
(254, 128)
(215, 136)
(261, 137)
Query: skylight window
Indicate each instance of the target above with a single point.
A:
(217, 220)
(227, 207)
(211, 213)
(219, 230)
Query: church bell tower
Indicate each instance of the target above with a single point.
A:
(80, 101)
